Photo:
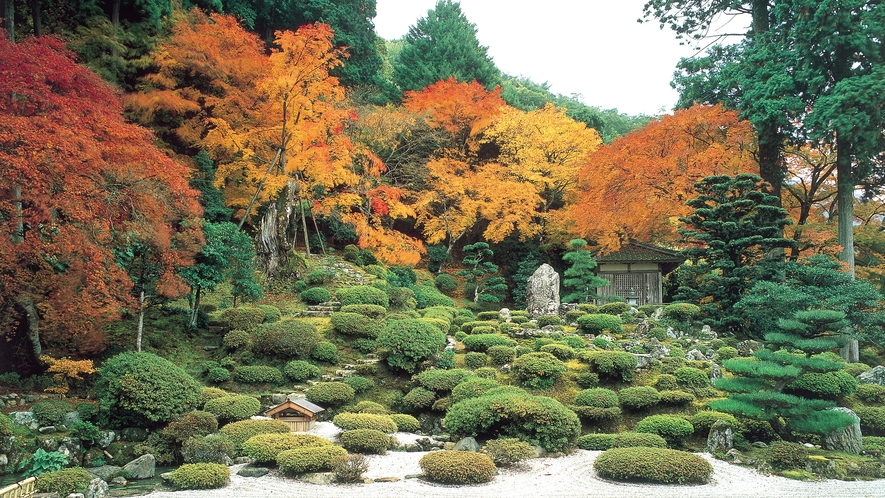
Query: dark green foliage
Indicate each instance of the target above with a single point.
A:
(85, 431)
(597, 323)
(579, 276)
(672, 428)
(300, 370)
(872, 419)
(193, 424)
(356, 324)
(480, 273)
(457, 467)
(286, 339)
(704, 420)
(87, 411)
(50, 411)
(726, 353)
(200, 476)
(405, 423)
(265, 447)
(375, 421)
(691, 377)
(214, 448)
(315, 295)
(325, 352)
(271, 313)
(666, 382)
(587, 380)
(418, 399)
(235, 339)
(828, 385)
(441, 380)
(855, 369)
(681, 312)
(368, 441)
(572, 315)
(597, 405)
(218, 375)
(469, 327)
(784, 455)
(5, 426)
(659, 333)
(602, 442)
(677, 398)
(64, 481)
(538, 370)
(485, 316)
(369, 310)
(612, 364)
(473, 387)
(359, 384)
(258, 374)
(320, 277)
(234, 408)
(507, 451)
(654, 465)
(474, 360)
(329, 393)
(874, 443)
(446, 359)
(363, 294)
(243, 318)
(561, 351)
(410, 341)
(482, 342)
(427, 296)
(639, 398)
(614, 308)
(871, 393)
(240, 432)
(44, 461)
(545, 320)
(144, 390)
(310, 459)
(501, 355)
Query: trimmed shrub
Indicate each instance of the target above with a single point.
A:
(561, 351)
(485, 329)
(599, 397)
(784, 455)
(144, 390)
(287, 339)
(597, 323)
(352, 421)
(218, 375)
(872, 419)
(472, 388)
(666, 382)
(410, 341)
(538, 370)
(365, 441)
(315, 295)
(214, 448)
(602, 442)
(871, 393)
(855, 369)
(350, 468)
(572, 315)
(50, 411)
(508, 451)
(676, 397)
(574, 341)
(373, 311)
(235, 339)
(243, 318)
(612, 364)
(193, 424)
(614, 308)
(265, 447)
(654, 465)
(5, 427)
(691, 377)
(427, 296)
(405, 423)
(545, 320)
(300, 370)
(596, 442)
(726, 353)
(330, 393)
(703, 421)
(829, 385)
(670, 427)
(363, 294)
(659, 333)
(325, 352)
(446, 283)
(366, 406)
(200, 476)
(239, 432)
(681, 312)
(233, 408)
(475, 359)
(314, 459)
(258, 374)
(356, 324)
(639, 398)
(359, 384)
(418, 399)
(441, 380)
(469, 327)
(874, 443)
(64, 481)
(486, 373)
(501, 355)
(208, 393)
(271, 313)
(457, 467)
(482, 342)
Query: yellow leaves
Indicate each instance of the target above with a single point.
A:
(64, 370)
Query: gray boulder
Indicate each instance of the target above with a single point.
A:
(253, 471)
(71, 418)
(542, 292)
(643, 360)
(467, 444)
(716, 372)
(26, 419)
(97, 489)
(142, 467)
(847, 440)
(721, 437)
(105, 472)
(695, 355)
(106, 438)
(72, 448)
(504, 313)
(642, 328)
(875, 375)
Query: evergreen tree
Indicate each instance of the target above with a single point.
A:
(734, 225)
(580, 276)
(480, 273)
(211, 199)
(440, 46)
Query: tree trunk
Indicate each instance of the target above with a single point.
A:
(36, 14)
(115, 24)
(140, 321)
(19, 235)
(8, 15)
(845, 211)
(30, 309)
(196, 311)
(304, 226)
(277, 231)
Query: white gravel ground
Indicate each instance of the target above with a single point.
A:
(569, 476)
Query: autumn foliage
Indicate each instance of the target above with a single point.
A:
(64, 370)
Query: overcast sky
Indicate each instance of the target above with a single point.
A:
(594, 48)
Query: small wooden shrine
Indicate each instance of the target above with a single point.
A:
(298, 413)
(636, 272)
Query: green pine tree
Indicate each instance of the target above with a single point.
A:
(481, 274)
(580, 277)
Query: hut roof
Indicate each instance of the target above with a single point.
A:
(634, 252)
(297, 404)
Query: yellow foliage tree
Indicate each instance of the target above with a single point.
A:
(64, 370)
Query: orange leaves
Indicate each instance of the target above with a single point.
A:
(637, 186)
(64, 370)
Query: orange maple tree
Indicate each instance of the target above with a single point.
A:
(636, 187)
(79, 185)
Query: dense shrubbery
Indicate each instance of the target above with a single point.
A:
(676, 398)
(5, 426)
(475, 359)
(482, 342)
(193, 424)
(200, 476)
(691, 377)
(597, 405)
(602, 442)
(233, 408)
(560, 351)
(359, 383)
(639, 398)
(315, 295)
(784, 455)
(370, 310)
(143, 390)
(508, 451)
(352, 421)
(240, 432)
(299, 370)
(265, 447)
(666, 382)
(368, 441)
(670, 427)
(64, 481)
(597, 323)
(871, 393)
(50, 411)
(704, 420)
(615, 365)
(538, 370)
(217, 375)
(501, 355)
(418, 399)
(614, 308)
(446, 283)
(405, 423)
(653, 464)
(829, 385)
(271, 313)
(258, 374)
(872, 419)
(325, 352)
(243, 318)
(208, 393)
(214, 448)
(286, 339)
(457, 467)
(356, 324)
(441, 380)
(363, 294)
(409, 342)
(313, 459)
(330, 393)
(469, 327)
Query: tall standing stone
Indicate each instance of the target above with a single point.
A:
(849, 439)
(542, 293)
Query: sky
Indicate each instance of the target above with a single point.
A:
(594, 48)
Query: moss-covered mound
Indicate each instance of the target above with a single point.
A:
(653, 465)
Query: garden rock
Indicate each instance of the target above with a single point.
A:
(542, 292)
(823, 467)
(76, 495)
(540, 452)
(721, 437)
(504, 313)
(71, 418)
(120, 481)
(695, 355)
(3, 460)
(748, 347)
(26, 419)
(72, 448)
(49, 443)
(97, 489)
(104, 472)
(49, 429)
(658, 351)
(105, 438)
(707, 333)
(467, 444)
(734, 456)
(142, 467)
(847, 440)
(253, 471)
(642, 328)
(673, 333)
(875, 375)
(716, 372)
(318, 478)
(134, 434)
(643, 360)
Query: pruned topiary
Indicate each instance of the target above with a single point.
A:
(457, 467)
(352, 421)
(265, 447)
(200, 476)
(310, 459)
(233, 408)
(368, 441)
(240, 432)
(654, 465)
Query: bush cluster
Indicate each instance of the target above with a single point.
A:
(602, 442)
(829, 385)
(233, 408)
(300, 370)
(193, 424)
(614, 308)
(639, 398)
(369, 441)
(702, 421)
(405, 423)
(538, 370)
(330, 393)
(200, 476)
(353, 421)
(271, 313)
(726, 353)
(475, 359)
(410, 341)
(666, 382)
(214, 448)
(208, 393)
(597, 323)
(691, 377)
(670, 427)
(50, 411)
(676, 397)
(243, 318)
(64, 481)
(560, 351)
(367, 406)
(482, 342)
(457, 467)
(373, 311)
(265, 447)
(507, 451)
(470, 327)
(871, 393)
(286, 339)
(501, 355)
(359, 384)
(325, 352)
(446, 283)
(217, 375)
(615, 365)
(441, 380)
(654, 465)
(355, 324)
(313, 459)
(418, 399)
(315, 295)
(784, 455)
(363, 294)
(258, 374)
(239, 432)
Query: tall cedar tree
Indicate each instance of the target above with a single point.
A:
(733, 226)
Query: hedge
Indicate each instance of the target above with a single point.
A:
(258, 374)
(615, 365)
(602, 442)
(666, 382)
(365, 441)
(200, 476)
(597, 397)
(370, 310)
(240, 432)
(330, 393)
(639, 398)
(243, 318)
(265, 447)
(315, 295)
(457, 467)
(353, 421)
(64, 481)
(363, 294)
(233, 408)
(441, 380)
(405, 423)
(670, 427)
(595, 323)
(367, 406)
(507, 451)
(653, 464)
(315, 459)
(538, 370)
(482, 342)
(300, 370)
(356, 324)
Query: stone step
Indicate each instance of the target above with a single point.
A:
(316, 313)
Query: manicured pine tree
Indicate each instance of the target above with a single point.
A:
(488, 287)
(579, 277)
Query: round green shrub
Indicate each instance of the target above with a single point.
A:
(483, 325)
(243, 318)
(501, 355)
(235, 339)
(369, 310)
(460, 335)
(666, 382)
(352, 421)
(614, 308)
(507, 451)
(572, 315)
(271, 313)
(359, 384)
(691, 377)
(208, 393)
(409, 342)
(597, 323)
(218, 375)
(538, 370)
(587, 380)
(144, 390)
(193, 424)
(315, 295)
(64, 481)
(87, 411)
(475, 359)
(330, 393)
(239, 432)
(855, 369)
(702, 421)
(486, 373)
(233, 408)
(653, 464)
(300, 370)
(659, 333)
(561, 351)
(614, 365)
(364, 345)
(200, 476)
(639, 398)
(367, 406)
(363, 294)
(325, 352)
(872, 419)
(87, 432)
(356, 324)
(871, 393)
(829, 385)
(602, 442)
(418, 399)
(365, 441)
(427, 296)
(482, 342)
(265, 447)
(51, 411)
(258, 374)
(726, 353)
(519, 319)
(214, 448)
(441, 380)
(545, 320)
(287, 339)
(784, 455)
(315, 459)
(574, 341)
(472, 388)
(596, 442)
(676, 397)
(405, 423)
(446, 283)
(681, 312)
(484, 329)
(488, 316)
(457, 467)
(598, 397)
(670, 427)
